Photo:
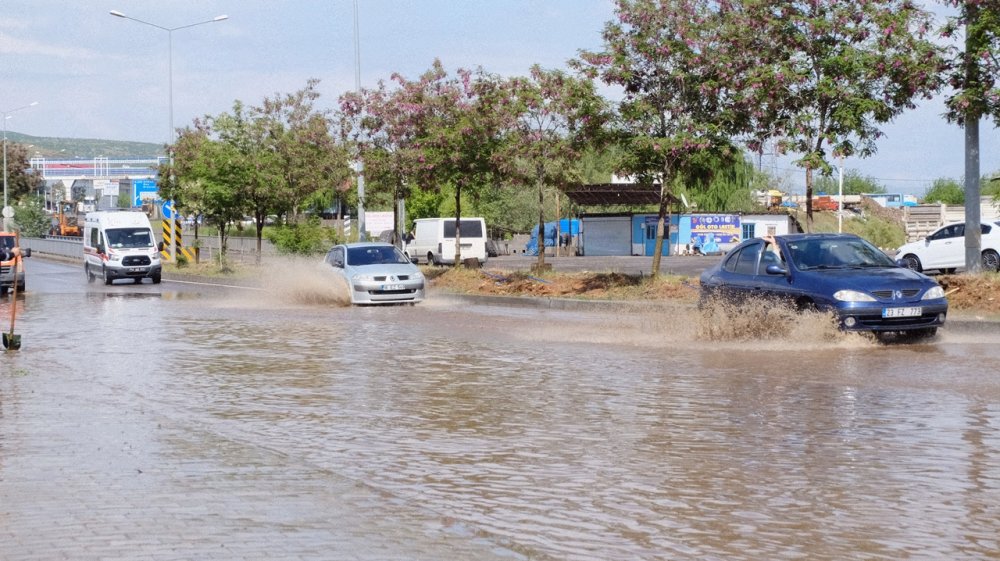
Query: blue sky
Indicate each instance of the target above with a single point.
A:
(98, 76)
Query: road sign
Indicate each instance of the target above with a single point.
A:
(8, 211)
(168, 209)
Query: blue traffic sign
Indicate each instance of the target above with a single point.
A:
(168, 209)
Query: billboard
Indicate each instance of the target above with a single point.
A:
(720, 228)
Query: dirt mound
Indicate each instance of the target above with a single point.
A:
(980, 293)
(611, 286)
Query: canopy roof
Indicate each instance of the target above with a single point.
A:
(616, 194)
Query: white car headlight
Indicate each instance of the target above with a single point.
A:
(360, 277)
(936, 292)
(852, 296)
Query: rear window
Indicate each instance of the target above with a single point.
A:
(470, 229)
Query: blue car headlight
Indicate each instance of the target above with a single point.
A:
(852, 296)
(933, 293)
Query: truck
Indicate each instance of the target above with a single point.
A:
(66, 220)
(120, 244)
(10, 273)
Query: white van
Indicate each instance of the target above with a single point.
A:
(119, 244)
(434, 240)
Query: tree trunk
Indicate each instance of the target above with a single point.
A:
(260, 234)
(661, 232)
(458, 226)
(223, 247)
(540, 263)
(809, 200)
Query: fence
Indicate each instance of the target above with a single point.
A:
(240, 249)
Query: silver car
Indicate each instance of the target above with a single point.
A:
(377, 273)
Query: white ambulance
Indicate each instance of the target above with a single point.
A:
(119, 244)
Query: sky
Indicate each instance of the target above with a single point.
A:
(99, 76)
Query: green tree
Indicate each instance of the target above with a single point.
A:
(973, 75)
(21, 179)
(729, 188)
(673, 116)
(30, 217)
(309, 160)
(825, 74)
(854, 184)
(945, 190)
(210, 175)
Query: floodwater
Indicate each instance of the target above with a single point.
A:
(180, 422)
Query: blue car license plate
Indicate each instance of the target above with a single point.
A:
(901, 312)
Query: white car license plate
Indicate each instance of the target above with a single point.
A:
(392, 287)
(136, 269)
(901, 312)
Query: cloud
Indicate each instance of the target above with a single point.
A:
(28, 47)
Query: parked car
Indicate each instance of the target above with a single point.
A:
(841, 273)
(377, 273)
(944, 250)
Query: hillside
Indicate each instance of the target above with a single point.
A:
(70, 148)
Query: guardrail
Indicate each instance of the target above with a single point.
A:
(243, 250)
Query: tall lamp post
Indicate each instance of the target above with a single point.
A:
(170, 56)
(360, 165)
(6, 115)
(170, 87)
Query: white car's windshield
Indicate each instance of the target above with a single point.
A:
(375, 255)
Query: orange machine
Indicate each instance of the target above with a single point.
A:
(66, 221)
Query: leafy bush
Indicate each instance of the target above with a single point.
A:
(307, 238)
(31, 219)
(947, 191)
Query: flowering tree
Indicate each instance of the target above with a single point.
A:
(973, 74)
(460, 134)
(552, 118)
(826, 73)
(384, 126)
(661, 52)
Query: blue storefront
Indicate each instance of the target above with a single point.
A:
(707, 231)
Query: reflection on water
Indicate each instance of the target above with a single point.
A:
(585, 436)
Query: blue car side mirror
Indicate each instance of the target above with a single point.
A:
(776, 270)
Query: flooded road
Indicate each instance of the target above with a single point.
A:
(188, 422)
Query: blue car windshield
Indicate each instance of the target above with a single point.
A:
(375, 255)
(837, 253)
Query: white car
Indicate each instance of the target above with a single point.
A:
(377, 273)
(944, 250)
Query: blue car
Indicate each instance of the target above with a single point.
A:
(840, 273)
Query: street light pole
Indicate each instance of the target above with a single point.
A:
(6, 115)
(170, 57)
(170, 88)
(362, 236)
